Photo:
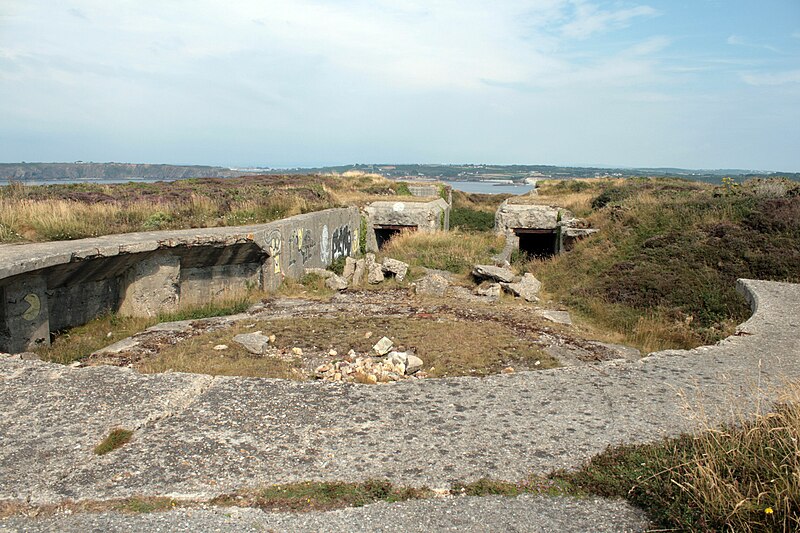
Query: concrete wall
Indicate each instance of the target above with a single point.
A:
(422, 216)
(47, 287)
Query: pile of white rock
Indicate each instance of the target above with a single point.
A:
(387, 366)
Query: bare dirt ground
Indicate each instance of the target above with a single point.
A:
(454, 337)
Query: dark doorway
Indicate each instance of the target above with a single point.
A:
(538, 242)
(384, 232)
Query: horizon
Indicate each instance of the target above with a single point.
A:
(651, 84)
(384, 164)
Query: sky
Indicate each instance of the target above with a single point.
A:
(661, 83)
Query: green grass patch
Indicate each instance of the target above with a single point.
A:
(469, 219)
(532, 485)
(79, 342)
(209, 309)
(117, 438)
(322, 496)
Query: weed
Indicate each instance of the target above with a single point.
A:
(362, 235)
(117, 438)
(337, 265)
(223, 307)
(531, 485)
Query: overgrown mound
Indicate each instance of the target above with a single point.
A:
(664, 266)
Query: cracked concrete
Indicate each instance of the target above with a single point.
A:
(226, 433)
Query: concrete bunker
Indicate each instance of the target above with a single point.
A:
(539, 230)
(387, 219)
(538, 242)
(385, 232)
(49, 287)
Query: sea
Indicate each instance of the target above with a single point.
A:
(488, 187)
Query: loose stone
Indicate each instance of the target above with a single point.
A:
(383, 346)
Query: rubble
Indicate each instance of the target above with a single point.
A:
(432, 285)
(395, 366)
(493, 273)
(397, 268)
(255, 343)
(527, 288)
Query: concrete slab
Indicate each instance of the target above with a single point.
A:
(491, 514)
(200, 436)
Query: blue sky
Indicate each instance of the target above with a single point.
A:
(684, 83)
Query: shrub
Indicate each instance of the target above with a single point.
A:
(402, 189)
(471, 219)
(612, 195)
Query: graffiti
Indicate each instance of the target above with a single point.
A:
(303, 243)
(324, 248)
(34, 307)
(342, 242)
(275, 243)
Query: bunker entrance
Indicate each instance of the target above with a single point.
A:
(538, 242)
(384, 232)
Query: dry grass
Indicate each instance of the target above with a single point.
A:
(292, 497)
(61, 212)
(79, 342)
(662, 270)
(322, 496)
(484, 347)
(741, 477)
(453, 251)
(132, 505)
(197, 356)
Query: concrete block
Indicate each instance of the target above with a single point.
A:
(151, 286)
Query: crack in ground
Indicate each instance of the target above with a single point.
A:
(181, 400)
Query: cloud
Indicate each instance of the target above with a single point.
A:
(449, 44)
(771, 79)
(736, 40)
(590, 19)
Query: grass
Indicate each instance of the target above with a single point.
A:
(196, 355)
(117, 438)
(74, 211)
(741, 477)
(322, 496)
(453, 251)
(77, 343)
(495, 348)
(292, 497)
(532, 485)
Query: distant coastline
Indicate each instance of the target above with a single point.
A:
(498, 176)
